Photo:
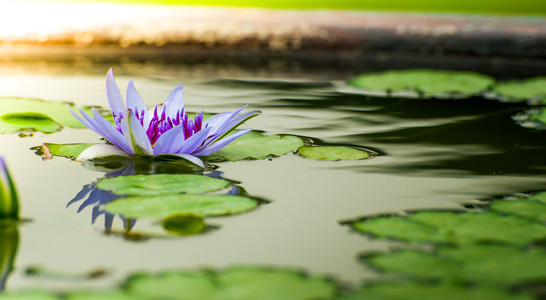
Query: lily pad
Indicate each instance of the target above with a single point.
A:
(455, 228)
(471, 264)
(64, 150)
(107, 294)
(529, 209)
(164, 205)
(28, 295)
(238, 283)
(332, 153)
(33, 114)
(257, 146)
(422, 291)
(532, 88)
(160, 184)
(426, 83)
(541, 197)
(184, 224)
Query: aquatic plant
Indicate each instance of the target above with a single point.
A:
(9, 201)
(162, 130)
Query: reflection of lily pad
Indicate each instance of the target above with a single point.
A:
(24, 113)
(158, 184)
(472, 263)
(428, 83)
(422, 291)
(255, 145)
(242, 283)
(164, 205)
(532, 88)
(332, 153)
(455, 228)
(184, 224)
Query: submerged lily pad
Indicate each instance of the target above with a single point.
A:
(426, 83)
(160, 184)
(241, 283)
(332, 153)
(529, 89)
(255, 145)
(423, 291)
(165, 205)
(33, 114)
(184, 224)
(455, 228)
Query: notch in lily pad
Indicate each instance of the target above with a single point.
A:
(423, 83)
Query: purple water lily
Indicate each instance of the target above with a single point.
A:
(163, 130)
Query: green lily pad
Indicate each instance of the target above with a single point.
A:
(106, 294)
(426, 83)
(529, 209)
(184, 224)
(421, 291)
(160, 184)
(164, 205)
(46, 116)
(532, 88)
(332, 153)
(64, 150)
(28, 295)
(255, 145)
(541, 197)
(455, 228)
(240, 283)
(472, 264)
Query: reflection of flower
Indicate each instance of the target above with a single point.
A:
(9, 201)
(98, 198)
(164, 129)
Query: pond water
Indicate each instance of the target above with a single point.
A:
(431, 154)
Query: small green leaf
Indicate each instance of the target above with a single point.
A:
(421, 291)
(13, 122)
(529, 209)
(255, 145)
(238, 283)
(332, 153)
(158, 184)
(427, 83)
(28, 295)
(184, 224)
(455, 228)
(163, 205)
(532, 88)
(64, 150)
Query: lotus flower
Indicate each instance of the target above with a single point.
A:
(163, 130)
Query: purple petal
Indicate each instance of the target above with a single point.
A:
(114, 95)
(208, 150)
(170, 141)
(135, 131)
(110, 133)
(235, 122)
(135, 102)
(174, 102)
(193, 142)
(221, 126)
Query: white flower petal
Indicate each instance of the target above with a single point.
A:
(101, 150)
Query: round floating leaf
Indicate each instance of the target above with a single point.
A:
(242, 283)
(532, 88)
(64, 150)
(455, 228)
(184, 224)
(541, 197)
(158, 184)
(332, 153)
(529, 209)
(107, 294)
(428, 83)
(163, 205)
(255, 145)
(47, 116)
(421, 291)
(473, 263)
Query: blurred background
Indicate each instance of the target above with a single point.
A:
(288, 39)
